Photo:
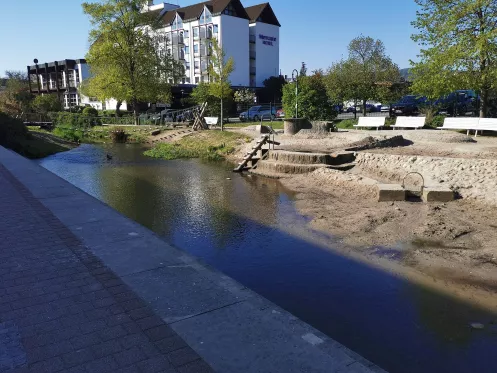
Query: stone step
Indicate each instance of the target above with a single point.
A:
(311, 158)
(269, 166)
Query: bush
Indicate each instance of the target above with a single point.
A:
(347, 123)
(12, 132)
(118, 135)
(90, 112)
(437, 121)
(73, 121)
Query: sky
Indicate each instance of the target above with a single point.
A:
(316, 32)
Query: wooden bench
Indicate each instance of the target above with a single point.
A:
(371, 122)
(468, 124)
(211, 121)
(409, 122)
(486, 124)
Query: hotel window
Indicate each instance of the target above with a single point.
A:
(230, 10)
(188, 80)
(186, 34)
(195, 32)
(206, 17)
(187, 50)
(196, 80)
(195, 48)
(216, 29)
(177, 23)
(197, 65)
(187, 65)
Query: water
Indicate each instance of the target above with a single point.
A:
(248, 228)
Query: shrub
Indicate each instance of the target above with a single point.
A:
(347, 123)
(437, 121)
(12, 132)
(73, 121)
(90, 112)
(119, 135)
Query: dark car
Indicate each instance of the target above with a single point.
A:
(408, 105)
(460, 102)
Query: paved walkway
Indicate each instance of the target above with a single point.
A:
(85, 289)
(62, 309)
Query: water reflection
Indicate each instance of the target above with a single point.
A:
(248, 228)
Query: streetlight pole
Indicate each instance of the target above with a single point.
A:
(295, 78)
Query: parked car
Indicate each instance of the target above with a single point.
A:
(385, 108)
(280, 114)
(459, 102)
(351, 109)
(255, 113)
(408, 105)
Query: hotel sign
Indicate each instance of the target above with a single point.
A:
(267, 40)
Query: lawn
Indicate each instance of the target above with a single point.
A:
(209, 145)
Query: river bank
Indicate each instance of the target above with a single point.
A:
(449, 241)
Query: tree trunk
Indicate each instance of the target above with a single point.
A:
(364, 107)
(484, 103)
(222, 122)
(118, 108)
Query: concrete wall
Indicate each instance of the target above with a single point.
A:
(267, 51)
(234, 38)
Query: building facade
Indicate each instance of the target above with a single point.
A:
(63, 78)
(249, 35)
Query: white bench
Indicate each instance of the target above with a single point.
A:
(468, 124)
(371, 122)
(211, 121)
(409, 122)
(486, 124)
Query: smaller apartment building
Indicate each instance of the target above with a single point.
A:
(64, 78)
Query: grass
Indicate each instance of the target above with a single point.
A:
(99, 134)
(208, 145)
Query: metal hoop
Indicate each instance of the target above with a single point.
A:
(416, 173)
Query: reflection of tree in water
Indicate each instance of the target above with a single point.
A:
(447, 318)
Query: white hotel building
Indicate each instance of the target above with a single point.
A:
(249, 35)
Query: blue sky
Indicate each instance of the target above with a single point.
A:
(314, 31)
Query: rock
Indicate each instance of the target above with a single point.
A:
(477, 325)
(228, 178)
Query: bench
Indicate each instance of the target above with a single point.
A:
(409, 122)
(486, 124)
(371, 122)
(211, 121)
(468, 124)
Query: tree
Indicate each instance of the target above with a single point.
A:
(244, 96)
(303, 70)
(16, 99)
(220, 70)
(365, 75)
(46, 104)
(273, 89)
(128, 61)
(459, 41)
(313, 102)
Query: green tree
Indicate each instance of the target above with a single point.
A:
(303, 69)
(459, 48)
(273, 89)
(313, 102)
(128, 60)
(367, 74)
(46, 104)
(202, 93)
(16, 99)
(220, 70)
(244, 96)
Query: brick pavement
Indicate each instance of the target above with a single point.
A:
(63, 310)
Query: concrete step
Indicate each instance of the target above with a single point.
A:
(270, 166)
(311, 158)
